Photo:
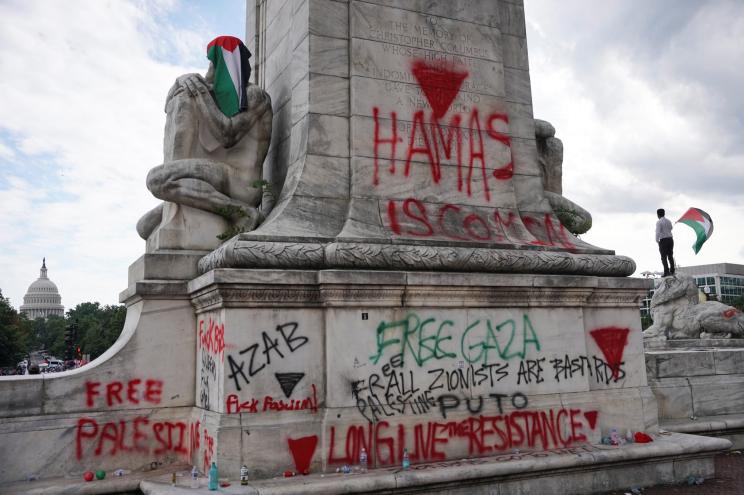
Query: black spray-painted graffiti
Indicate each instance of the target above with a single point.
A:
(394, 390)
(208, 369)
(603, 372)
(259, 354)
(451, 401)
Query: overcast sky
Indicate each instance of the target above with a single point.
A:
(646, 97)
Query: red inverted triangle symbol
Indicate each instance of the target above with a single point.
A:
(612, 341)
(440, 84)
(591, 418)
(302, 450)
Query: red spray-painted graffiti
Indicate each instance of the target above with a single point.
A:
(591, 418)
(133, 392)
(302, 450)
(440, 84)
(612, 341)
(432, 138)
(234, 405)
(476, 146)
(138, 435)
(730, 313)
(212, 337)
(483, 435)
(208, 450)
(548, 232)
(412, 217)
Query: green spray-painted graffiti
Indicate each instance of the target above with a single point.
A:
(481, 341)
(410, 335)
(491, 341)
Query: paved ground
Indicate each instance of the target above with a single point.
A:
(729, 480)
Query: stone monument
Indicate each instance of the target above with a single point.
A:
(414, 289)
(412, 146)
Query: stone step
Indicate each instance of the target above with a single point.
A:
(588, 469)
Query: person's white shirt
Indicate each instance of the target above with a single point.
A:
(663, 229)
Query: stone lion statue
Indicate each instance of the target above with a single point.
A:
(678, 313)
(217, 134)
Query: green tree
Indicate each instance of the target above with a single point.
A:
(98, 327)
(646, 321)
(55, 326)
(48, 334)
(739, 303)
(13, 334)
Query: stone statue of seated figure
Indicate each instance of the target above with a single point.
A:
(215, 145)
(550, 159)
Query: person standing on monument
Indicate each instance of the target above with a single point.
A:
(665, 241)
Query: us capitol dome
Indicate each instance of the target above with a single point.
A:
(42, 298)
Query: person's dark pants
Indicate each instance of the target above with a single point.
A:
(666, 248)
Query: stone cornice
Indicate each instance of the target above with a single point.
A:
(240, 253)
(452, 291)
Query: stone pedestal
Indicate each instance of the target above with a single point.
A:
(300, 370)
(185, 228)
(699, 386)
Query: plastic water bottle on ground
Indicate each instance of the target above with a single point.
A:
(213, 477)
(406, 460)
(194, 477)
(363, 460)
(629, 436)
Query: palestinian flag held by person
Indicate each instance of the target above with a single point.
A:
(701, 223)
(231, 72)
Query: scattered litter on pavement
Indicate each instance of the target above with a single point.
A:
(641, 437)
(695, 480)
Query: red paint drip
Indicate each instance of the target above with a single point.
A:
(440, 84)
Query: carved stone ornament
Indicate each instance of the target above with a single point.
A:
(254, 254)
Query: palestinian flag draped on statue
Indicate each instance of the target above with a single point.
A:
(231, 72)
(701, 223)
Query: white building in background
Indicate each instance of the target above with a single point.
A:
(42, 298)
(719, 281)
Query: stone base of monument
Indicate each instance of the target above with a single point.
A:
(585, 469)
(699, 386)
(582, 469)
(299, 370)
